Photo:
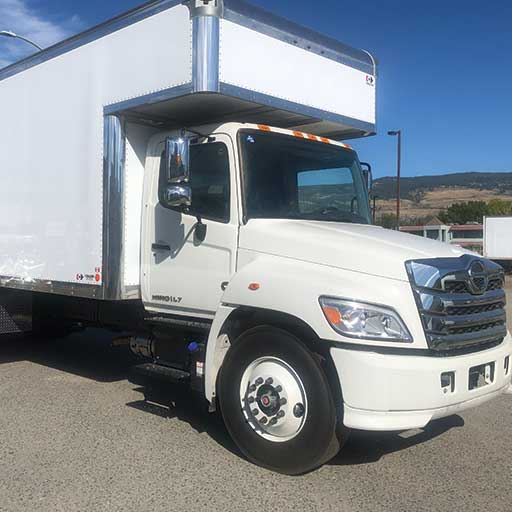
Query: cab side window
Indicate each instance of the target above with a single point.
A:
(209, 181)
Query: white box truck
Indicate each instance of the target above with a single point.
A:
(177, 173)
(498, 240)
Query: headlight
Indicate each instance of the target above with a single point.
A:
(363, 320)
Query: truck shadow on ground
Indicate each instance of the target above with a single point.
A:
(173, 402)
(368, 447)
(361, 447)
(90, 355)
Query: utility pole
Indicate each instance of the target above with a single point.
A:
(374, 210)
(398, 171)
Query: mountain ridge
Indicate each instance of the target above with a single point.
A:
(413, 186)
(426, 196)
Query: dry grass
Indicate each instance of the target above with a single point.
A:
(437, 200)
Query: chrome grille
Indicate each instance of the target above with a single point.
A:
(474, 310)
(461, 301)
(461, 286)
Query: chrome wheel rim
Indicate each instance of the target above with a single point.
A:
(273, 399)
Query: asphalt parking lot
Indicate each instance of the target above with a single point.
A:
(75, 435)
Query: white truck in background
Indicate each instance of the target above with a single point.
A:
(177, 173)
(498, 240)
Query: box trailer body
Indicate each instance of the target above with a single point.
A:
(179, 173)
(498, 238)
(151, 63)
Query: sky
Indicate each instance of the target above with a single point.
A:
(445, 73)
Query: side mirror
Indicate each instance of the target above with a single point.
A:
(367, 175)
(177, 159)
(177, 196)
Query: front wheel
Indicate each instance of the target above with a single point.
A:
(276, 402)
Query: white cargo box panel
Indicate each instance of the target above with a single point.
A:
(252, 66)
(76, 118)
(56, 192)
(498, 238)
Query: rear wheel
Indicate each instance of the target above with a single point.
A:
(277, 403)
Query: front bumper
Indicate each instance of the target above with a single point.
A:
(398, 392)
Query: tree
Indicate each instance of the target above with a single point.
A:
(499, 207)
(387, 220)
(462, 213)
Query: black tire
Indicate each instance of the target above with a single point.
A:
(318, 440)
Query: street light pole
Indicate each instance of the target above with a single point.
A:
(8, 33)
(374, 208)
(398, 171)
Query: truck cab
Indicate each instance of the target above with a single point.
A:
(266, 233)
(241, 181)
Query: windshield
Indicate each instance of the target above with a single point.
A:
(292, 178)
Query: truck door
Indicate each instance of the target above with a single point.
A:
(180, 273)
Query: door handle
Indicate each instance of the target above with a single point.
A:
(160, 247)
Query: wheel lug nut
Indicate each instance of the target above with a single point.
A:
(279, 389)
(251, 399)
(283, 401)
(269, 381)
(299, 410)
(273, 421)
(264, 420)
(280, 414)
(255, 412)
(259, 381)
(252, 388)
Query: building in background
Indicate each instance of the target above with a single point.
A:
(469, 236)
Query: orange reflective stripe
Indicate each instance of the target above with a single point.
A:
(298, 134)
(264, 127)
(323, 139)
(312, 137)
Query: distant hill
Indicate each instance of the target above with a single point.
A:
(424, 196)
(500, 182)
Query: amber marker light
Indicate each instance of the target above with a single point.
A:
(332, 314)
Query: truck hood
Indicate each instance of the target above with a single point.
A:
(357, 247)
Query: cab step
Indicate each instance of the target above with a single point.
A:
(143, 373)
(188, 323)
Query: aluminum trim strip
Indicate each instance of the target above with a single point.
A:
(246, 94)
(90, 291)
(97, 32)
(205, 8)
(205, 53)
(113, 216)
(148, 99)
(279, 103)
